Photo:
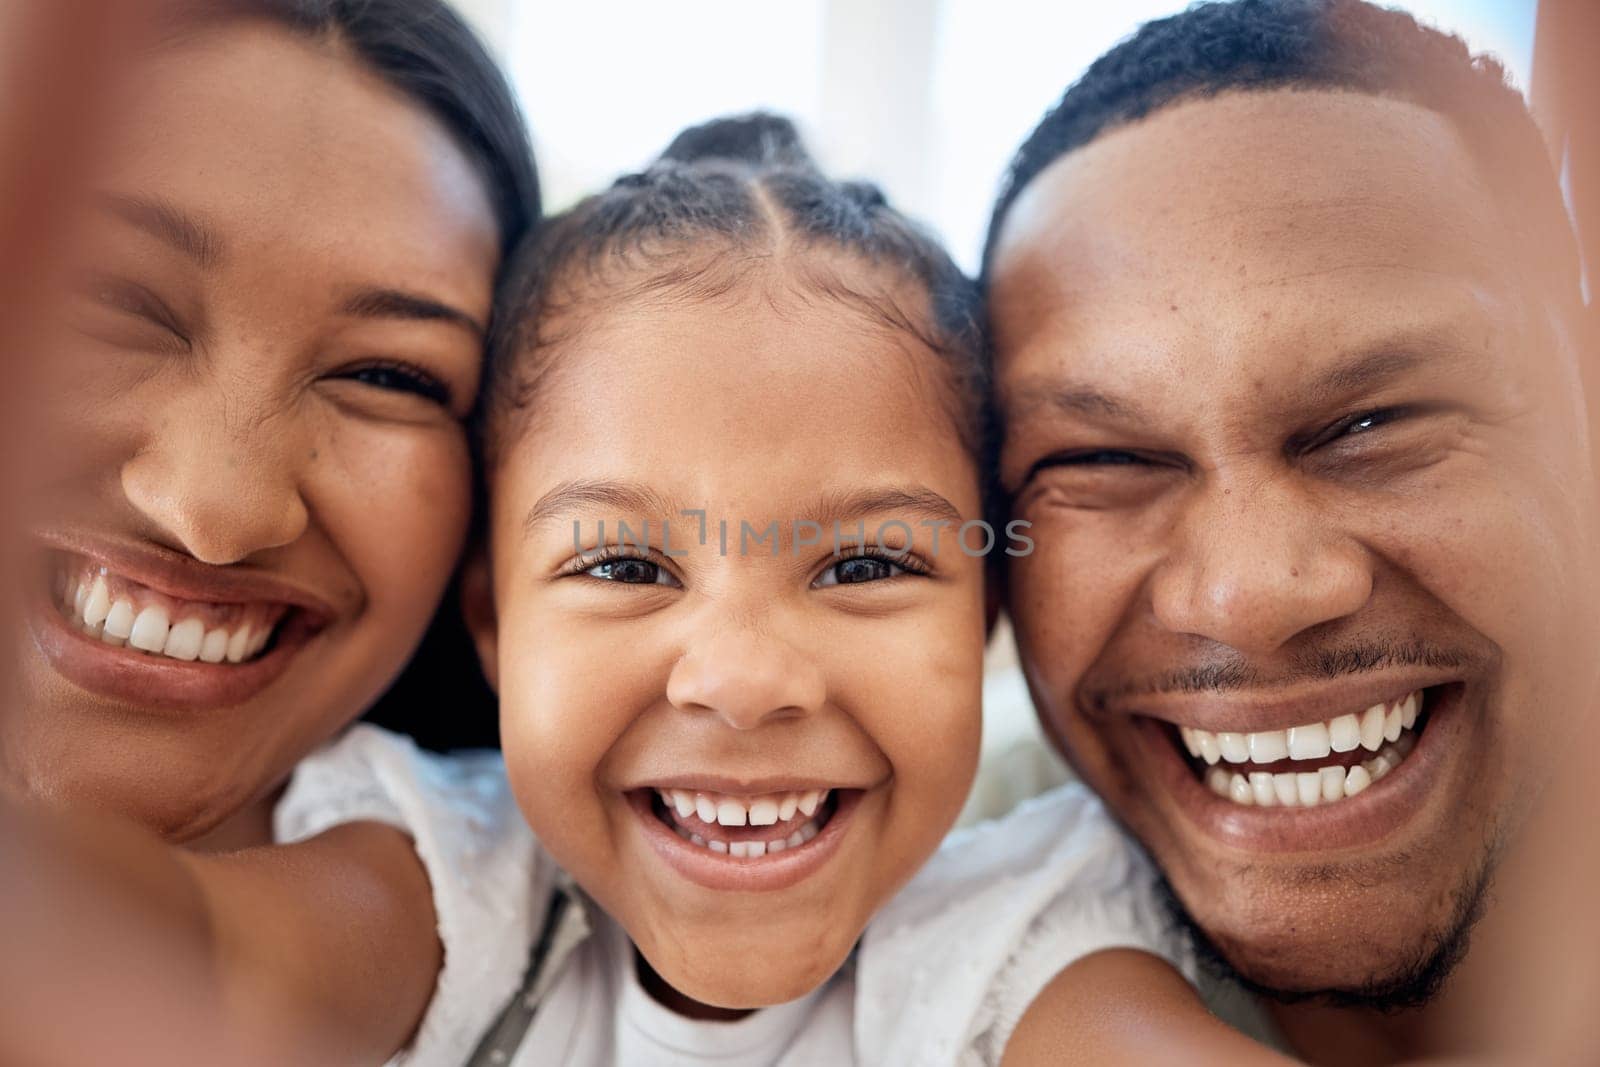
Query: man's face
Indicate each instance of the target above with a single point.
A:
(1297, 442)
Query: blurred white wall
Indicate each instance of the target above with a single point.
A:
(927, 97)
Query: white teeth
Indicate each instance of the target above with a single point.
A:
(214, 647)
(1372, 728)
(238, 645)
(1235, 749)
(682, 803)
(183, 640)
(731, 813)
(1308, 742)
(1332, 783)
(97, 605)
(1261, 786)
(1218, 779)
(1309, 787)
(788, 806)
(808, 802)
(1239, 791)
(717, 846)
(705, 807)
(1408, 711)
(1191, 740)
(1391, 724)
(119, 622)
(1344, 733)
(149, 632)
(1286, 790)
(1357, 780)
(1268, 746)
(795, 840)
(763, 812)
(777, 846)
(1378, 766)
(1210, 751)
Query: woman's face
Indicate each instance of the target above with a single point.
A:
(272, 335)
(738, 742)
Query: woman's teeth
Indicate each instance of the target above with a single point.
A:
(122, 614)
(1383, 729)
(696, 816)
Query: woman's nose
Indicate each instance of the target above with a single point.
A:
(221, 481)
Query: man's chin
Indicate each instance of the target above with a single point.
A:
(1352, 973)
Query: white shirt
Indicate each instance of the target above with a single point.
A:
(941, 976)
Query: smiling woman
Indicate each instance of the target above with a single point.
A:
(266, 344)
(267, 352)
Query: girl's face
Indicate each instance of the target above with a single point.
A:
(272, 335)
(740, 752)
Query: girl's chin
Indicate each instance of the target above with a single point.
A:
(739, 977)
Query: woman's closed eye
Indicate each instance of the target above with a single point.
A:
(400, 377)
(127, 314)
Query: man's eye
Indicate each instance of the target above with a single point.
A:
(130, 299)
(1365, 422)
(858, 569)
(400, 378)
(631, 571)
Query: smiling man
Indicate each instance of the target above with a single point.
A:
(1286, 318)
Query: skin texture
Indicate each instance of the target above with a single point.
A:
(221, 417)
(1170, 306)
(746, 668)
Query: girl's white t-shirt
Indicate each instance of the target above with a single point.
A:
(941, 976)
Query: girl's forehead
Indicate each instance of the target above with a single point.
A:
(745, 397)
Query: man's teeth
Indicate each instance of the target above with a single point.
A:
(1383, 729)
(117, 621)
(1307, 789)
(1368, 729)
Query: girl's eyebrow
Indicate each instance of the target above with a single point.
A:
(635, 499)
(915, 501)
(624, 498)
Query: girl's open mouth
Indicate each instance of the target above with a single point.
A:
(755, 841)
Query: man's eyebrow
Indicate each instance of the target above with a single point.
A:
(1066, 397)
(1373, 368)
(168, 223)
(621, 499)
(895, 501)
(395, 304)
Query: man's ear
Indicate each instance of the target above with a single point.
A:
(477, 607)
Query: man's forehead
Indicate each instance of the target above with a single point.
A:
(1241, 190)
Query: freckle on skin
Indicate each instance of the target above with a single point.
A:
(1294, 572)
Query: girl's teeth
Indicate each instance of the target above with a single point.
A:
(723, 810)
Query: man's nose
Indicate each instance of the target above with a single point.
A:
(1253, 567)
(745, 676)
(218, 479)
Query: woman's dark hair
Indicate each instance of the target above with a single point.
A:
(1348, 45)
(425, 51)
(694, 223)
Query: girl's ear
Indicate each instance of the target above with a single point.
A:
(477, 607)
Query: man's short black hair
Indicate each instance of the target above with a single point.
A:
(1249, 45)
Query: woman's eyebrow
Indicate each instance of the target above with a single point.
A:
(396, 304)
(912, 500)
(168, 223)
